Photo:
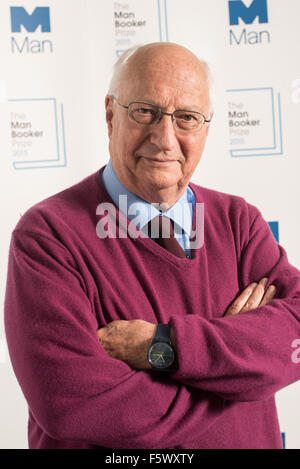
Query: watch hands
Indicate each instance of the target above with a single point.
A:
(159, 355)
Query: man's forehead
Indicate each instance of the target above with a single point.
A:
(166, 90)
(167, 70)
(169, 100)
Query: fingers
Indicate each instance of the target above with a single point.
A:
(269, 295)
(253, 296)
(241, 300)
(256, 297)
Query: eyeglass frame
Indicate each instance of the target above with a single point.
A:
(161, 113)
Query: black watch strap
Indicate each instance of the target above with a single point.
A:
(162, 333)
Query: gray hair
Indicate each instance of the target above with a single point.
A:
(123, 60)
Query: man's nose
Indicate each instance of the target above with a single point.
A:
(163, 134)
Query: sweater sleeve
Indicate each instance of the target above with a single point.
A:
(74, 390)
(247, 357)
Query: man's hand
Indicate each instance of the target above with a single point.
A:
(128, 341)
(253, 296)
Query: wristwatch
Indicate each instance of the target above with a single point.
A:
(161, 354)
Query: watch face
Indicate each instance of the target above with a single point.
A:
(161, 355)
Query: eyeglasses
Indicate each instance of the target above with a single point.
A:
(149, 114)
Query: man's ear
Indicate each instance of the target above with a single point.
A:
(109, 113)
(208, 127)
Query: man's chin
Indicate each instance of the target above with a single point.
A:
(160, 180)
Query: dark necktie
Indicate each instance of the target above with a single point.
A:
(160, 229)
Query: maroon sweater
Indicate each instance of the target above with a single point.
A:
(64, 282)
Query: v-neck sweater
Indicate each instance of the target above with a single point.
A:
(64, 282)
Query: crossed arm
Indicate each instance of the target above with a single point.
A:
(69, 379)
(129, 340)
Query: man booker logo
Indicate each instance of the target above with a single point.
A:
(239, 10)
(258, 8)
(21, 22)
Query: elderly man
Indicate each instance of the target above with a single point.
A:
(129, 340)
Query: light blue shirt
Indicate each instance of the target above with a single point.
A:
(141, 212)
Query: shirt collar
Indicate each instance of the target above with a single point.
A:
(141, 212)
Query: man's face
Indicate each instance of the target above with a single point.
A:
(153, 161)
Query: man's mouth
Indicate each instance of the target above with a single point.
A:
(159, 161)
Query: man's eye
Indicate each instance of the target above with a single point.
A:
(144, 110)
(186, 117)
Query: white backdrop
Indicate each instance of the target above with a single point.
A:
(55, 66)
